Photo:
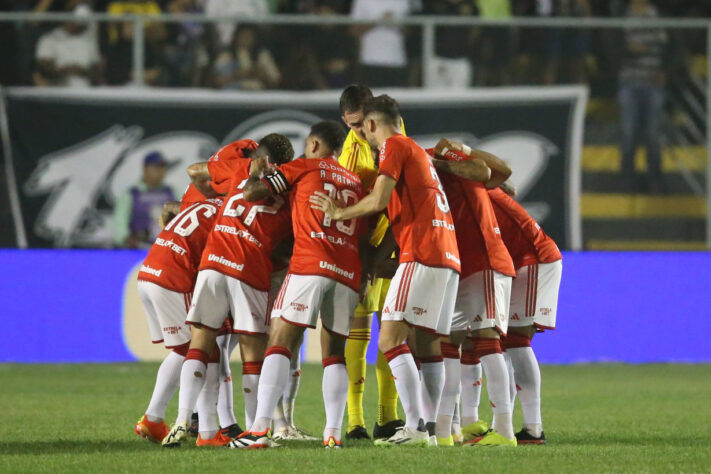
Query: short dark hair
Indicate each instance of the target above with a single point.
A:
(385, 106)
(280, 149)
(330, 132)
(354, 97)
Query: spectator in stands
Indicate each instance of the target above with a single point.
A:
(451, 67)
(186, 53)
(323, 57)
(383, 57)
(567, 48)
(119, 48)
(137, 212)
(247, 65)
(494, 45)
(236, 8)
(69, 54)
(641, 94)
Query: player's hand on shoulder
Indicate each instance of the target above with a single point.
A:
(324, 203)
(444, 145)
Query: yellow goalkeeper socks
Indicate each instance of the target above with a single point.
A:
(387, 393)
(356, 347)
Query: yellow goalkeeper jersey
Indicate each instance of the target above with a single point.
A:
(357, 157)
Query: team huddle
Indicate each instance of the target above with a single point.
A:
(263, 245)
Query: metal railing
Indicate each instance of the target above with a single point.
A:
(428, 26)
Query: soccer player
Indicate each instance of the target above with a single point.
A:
(534, 302)
(214, 180)
(484, 289)
(234, 279)
(358, 157)
(165, 285)
(324, 275)
(424, 288)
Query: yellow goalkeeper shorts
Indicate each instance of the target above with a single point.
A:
(374, 298)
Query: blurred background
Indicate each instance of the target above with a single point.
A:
(600, 106)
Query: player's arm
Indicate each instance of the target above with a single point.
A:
(200, 177)
(170, 210)
(473, 170)
(500, 171)
(374, 202)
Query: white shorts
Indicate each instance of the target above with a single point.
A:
(534, 295)
(422, 296)
(483, 302)
(166, 312)
(301, 297)
(218, 295)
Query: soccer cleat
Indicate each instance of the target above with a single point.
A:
(432, 443)
(524, 437)
(387, 430)
(218, 440)
(178, 433)
(405, 436)
(153, 431)
(193, 429)
(474, 430)
(457, 437)
(358, 432)
(249, 440)
(491, 438)
(448, 441)
(331, 443)
(292, 433)
(232, 431)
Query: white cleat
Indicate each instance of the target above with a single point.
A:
(432, 443)
(292, 433)
(406, 437)
(249, 440)
(178, 433)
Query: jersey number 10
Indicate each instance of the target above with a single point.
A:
(349, 198)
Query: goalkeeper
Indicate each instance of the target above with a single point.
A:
(358, 157)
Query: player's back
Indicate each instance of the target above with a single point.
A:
(478, 236)
(323, 246)
(418, 209)
(524, 238)
(172, 262)
(245, 233)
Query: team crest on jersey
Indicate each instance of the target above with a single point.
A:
(545, 311)
(417, 311)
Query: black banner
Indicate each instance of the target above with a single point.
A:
(70, 154)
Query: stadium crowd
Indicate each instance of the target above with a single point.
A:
(226, 55)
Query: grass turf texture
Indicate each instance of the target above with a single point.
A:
(598, 418)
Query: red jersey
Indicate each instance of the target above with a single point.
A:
(241, 242)
(418, 209)
(172, 262)
(478, 236)
(526, 241)
(220, 170)
(321, 246)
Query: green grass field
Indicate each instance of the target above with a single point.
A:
(598, 418)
